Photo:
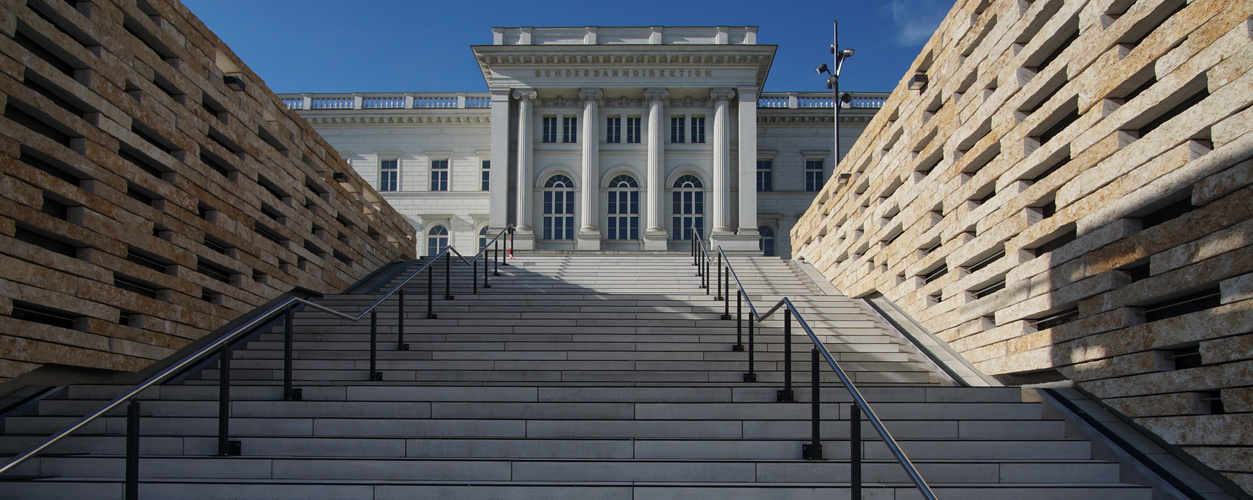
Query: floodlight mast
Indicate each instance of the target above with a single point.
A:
(833, 82)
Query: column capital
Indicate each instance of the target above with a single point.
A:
(721, 94)
(591, 95)
(656, 94)
(525, 94)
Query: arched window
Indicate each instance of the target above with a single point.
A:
(765, 240)
(436, 240)
(624, 208)
(559, 208)
(689, 208)
(483, 238)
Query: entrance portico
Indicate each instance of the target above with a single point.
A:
(651, 99)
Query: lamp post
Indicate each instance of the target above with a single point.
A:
(833, 82)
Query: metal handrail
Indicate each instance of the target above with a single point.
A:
(858, 399)
(204, 352)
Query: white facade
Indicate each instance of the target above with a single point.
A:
(599, 138)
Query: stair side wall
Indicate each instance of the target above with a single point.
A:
(154, 188)
(1104, 147)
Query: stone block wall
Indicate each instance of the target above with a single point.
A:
(154, 188)
(1067, 196)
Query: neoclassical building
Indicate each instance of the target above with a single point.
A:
(599, 138)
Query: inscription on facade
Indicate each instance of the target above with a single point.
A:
(624, 73)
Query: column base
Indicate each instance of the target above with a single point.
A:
(524, 239)
(656, 239)
(588, 239)
(737, 243)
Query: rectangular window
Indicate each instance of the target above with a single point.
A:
(813, 176)
(550, 129)
(677, 124)
(389, 175)
(570, 129)
(439, 175)
(698, 130)
(613, 130)
(633, 129)
(765, 175)
(487, 175)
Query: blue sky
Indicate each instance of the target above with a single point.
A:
(421, 46)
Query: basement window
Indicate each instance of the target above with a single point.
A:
(1054, 319)
(1180, 357)
(25, 311)
(1184, 304)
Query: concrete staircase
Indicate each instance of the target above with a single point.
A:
(588, 376)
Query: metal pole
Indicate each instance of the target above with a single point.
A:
(496, 245)
(448, 275)
(751, 376)
(224, 401)
(718, 296)
(132, 451)
(430, 293)
(814, 450)
(374, 330)
(786, 395)
(287, 355)
(400, 321)
(474, 277)
(726, 294)
(739, 321)
(854, 443)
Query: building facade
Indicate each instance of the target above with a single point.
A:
(591, 138)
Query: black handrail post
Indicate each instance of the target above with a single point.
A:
(813, 451)
(726, 293)
(485, 264)
(474, 277)
(718, 296)
(448, 275)
(786, 395)
(706, 278)
(496, 246)
(854, 443)
(751, 376)
(132, 451)
(739, 321)
(289, 394)
(430, 293)
(400, 321)
(226, 447)
(374, 330)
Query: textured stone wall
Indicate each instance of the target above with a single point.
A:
(1068, 196)
(154, 188)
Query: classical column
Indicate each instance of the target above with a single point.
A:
(745, 238)
(498, 199)
(589, 234)
(525, 237)
(655, 236)
(722, 163)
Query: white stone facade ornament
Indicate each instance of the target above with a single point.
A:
(721, 94)
(624, 102)
(591, 94)
(525, 94)
(656, 94)
(689, 102)
(561, 102)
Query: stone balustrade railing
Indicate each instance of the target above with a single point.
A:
(401, 100)
(482, 100)
(800, 100)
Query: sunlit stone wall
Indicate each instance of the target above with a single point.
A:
(1064, 193)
